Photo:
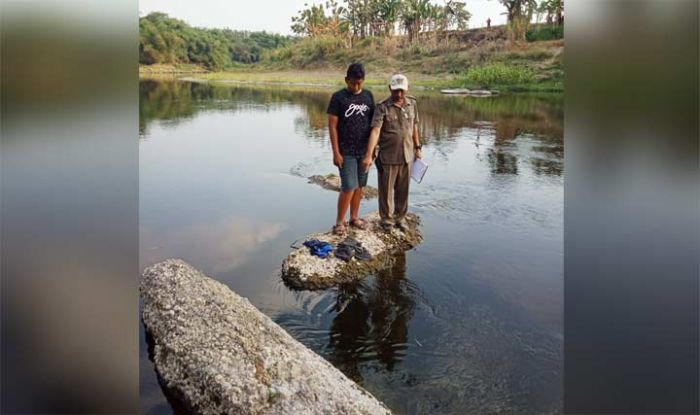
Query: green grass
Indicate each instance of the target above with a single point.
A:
(531, 54)
(544, 33)
(496, 74)
(335, 79)
(331, 77)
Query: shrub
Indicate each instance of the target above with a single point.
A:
(497, 74)
(281, 54)
(370, 41)
(544, 33)
(530, 55)
(390, 46)
(454, 63)
(306, 51)
(417, 50)
(316, 48)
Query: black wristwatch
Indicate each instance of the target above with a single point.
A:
(418, 147)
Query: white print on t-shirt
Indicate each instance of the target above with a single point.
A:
(353, 108)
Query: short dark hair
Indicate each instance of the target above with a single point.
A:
(355, 71)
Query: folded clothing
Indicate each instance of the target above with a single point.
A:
(344, 252)
(349, 248)
(319, 248)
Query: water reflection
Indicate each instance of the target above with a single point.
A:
(549, 159)
(496, 123)
(372, 321)
(177, 101)
(220, 245)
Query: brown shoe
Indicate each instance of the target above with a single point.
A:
(359, 224)
(340, 229)
(402, 225)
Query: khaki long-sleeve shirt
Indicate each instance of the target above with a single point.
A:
(396, 130)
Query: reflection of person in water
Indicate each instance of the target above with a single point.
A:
(372, 321)
(502, 160)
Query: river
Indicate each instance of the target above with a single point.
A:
(470, 321)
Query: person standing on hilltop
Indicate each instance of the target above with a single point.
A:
(350, 112)
(488, 22)
(395, 130)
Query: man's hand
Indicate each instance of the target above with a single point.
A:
(419, 153)
(366, 162)
(338, 160)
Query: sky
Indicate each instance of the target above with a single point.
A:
(275, 15)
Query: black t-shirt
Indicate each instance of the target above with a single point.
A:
(354, 114)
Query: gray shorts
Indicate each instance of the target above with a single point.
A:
(352, 175)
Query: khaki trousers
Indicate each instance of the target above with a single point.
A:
(393, 191)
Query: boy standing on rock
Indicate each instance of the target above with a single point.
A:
(350, 113)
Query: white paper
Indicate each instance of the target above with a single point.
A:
(418, 170)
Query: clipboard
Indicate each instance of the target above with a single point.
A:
(418, 170)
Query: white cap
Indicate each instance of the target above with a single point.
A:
(398, 81)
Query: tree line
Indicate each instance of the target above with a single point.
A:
(358, 19)
(163, 39)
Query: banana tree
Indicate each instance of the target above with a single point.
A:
(413, 13)
(388, 14)
(310, 21)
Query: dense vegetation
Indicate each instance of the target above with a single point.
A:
(536, 34)
(163, 39)
(414, 36)
(415, 19)
(498, 74)
(362, 18)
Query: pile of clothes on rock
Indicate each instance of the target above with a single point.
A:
(346, 250)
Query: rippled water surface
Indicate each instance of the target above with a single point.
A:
(468, 322)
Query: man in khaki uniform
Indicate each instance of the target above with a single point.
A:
(395, 130)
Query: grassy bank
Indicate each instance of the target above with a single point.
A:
(160, 69)
(480, 59)
(334, 77)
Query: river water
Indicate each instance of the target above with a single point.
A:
(470, 321)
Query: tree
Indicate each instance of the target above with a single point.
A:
(309, 21)
(413, 13)
(519, 14)
(388, 13)
(457, 15)
(163, 39)
(313, 21)
(553, 10)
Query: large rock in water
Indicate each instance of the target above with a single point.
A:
(301, 270)
(332, 182)
(218, 354)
